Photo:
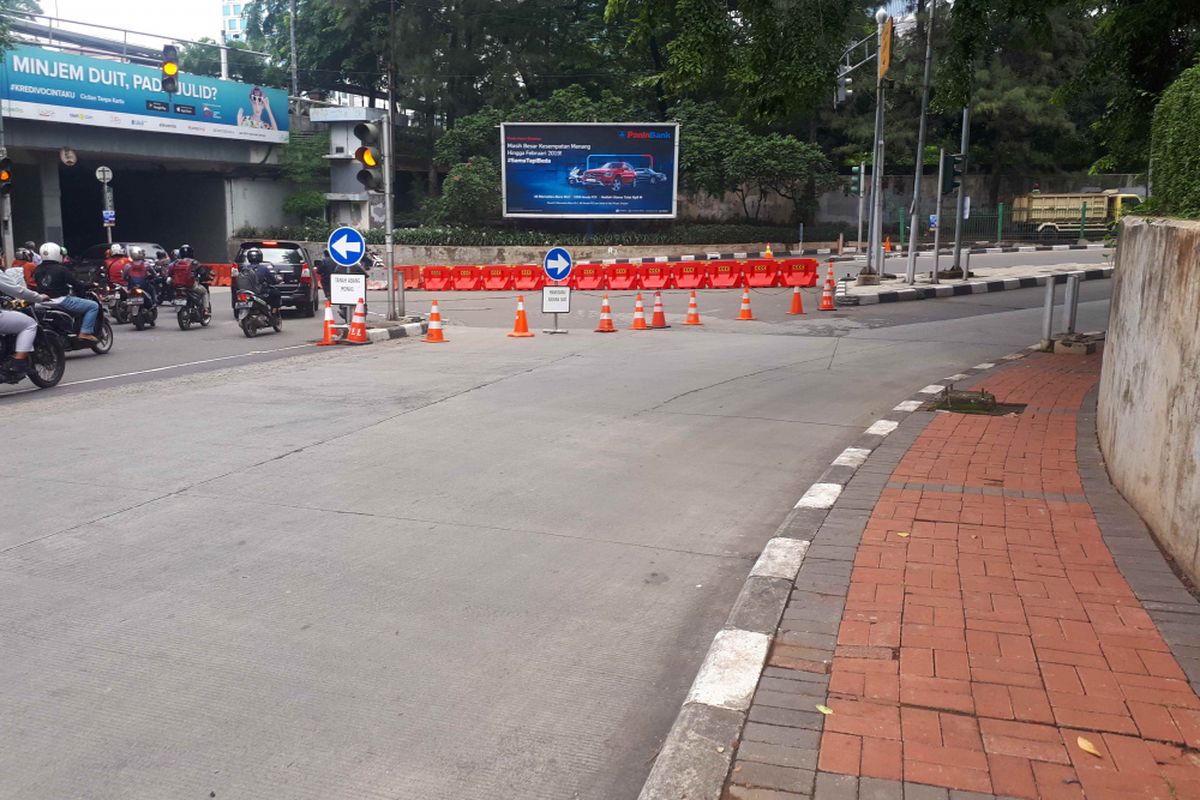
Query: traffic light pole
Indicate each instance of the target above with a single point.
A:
(937, 229)
(862, 199)
(911, 272)
(6, 231)
(395, 283)
(962, 189)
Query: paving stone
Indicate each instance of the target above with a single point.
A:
(836, 787)
(920, 791)
(798, 738)
(771, 776)
(879, 789)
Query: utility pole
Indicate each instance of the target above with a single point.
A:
(6, 231)
(914, 225)
(224, 51)
(962, 189)
(870, 275)
(292, 35)
(937, 229)
(395, 293)
(862, 199)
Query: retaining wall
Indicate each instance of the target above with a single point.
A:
(1149, 401)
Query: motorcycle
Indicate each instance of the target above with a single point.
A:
(48, 361)
(142, 312)
(254, 313)
(196, 308)
(103, 331)
(115, 300)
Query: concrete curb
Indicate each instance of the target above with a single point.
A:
(398, 331)
(969, 287)
(829, 251)
(695, 758)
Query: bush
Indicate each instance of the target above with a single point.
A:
(306, 204)
(470, 194)
(1175, 146)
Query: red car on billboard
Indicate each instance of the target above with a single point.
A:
(610, 175)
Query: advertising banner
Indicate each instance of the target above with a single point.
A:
(589, 170)
(49, 86)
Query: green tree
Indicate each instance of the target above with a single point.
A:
(305, 168)
(795, 170)
(6, 8)
(1176, 146)
(470, 195)
(204, 58)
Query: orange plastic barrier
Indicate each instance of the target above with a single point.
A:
(436, 279)
(497, 277)
(587, 277)
(657, 276)
(691, 275)
(623, 276)
(799, 271)
(467, 279)
(222, 274)
(412, 277)
(761, 273)
(726, 275)
(527, 277)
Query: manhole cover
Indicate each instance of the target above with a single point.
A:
(960, 401)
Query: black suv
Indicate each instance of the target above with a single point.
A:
(297, 283)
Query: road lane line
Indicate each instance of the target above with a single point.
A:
(181, 366)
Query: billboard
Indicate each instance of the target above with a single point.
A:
(589, 170)
(49, 86)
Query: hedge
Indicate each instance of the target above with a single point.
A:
(1175, 147)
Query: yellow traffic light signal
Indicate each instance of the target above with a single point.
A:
(170, 69)
(370, 176)
(366, 157)
(5, 176)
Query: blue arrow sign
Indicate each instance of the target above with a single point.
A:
(557, 264)
(346, 247)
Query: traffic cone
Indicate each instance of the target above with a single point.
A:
(797, 302)
(358, 325)
(521, 327)
(435, 325)
(829, 281)
(827, 299)
(693, 314)
(606, 323)
(329, 323)
(639, 315)
(767, 252)
(745, 313)
(887, 244)
(659, 320)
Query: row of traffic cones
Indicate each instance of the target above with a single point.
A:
(355, 334)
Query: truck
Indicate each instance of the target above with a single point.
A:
(1049, 215)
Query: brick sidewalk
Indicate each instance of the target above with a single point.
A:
(962, 614)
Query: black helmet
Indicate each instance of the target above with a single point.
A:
(185, 251)
(254, 256)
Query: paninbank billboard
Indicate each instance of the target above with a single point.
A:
(589, 170)
(58, 87)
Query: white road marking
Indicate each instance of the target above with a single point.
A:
(852, 457)
(181, 366)
(907, 405)
(984, 365)
(781, 558)
(883, 427)
(932, 388)
(958, 376)
(820, 495)
(730, 671)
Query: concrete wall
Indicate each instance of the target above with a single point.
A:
(1149, 401)
(256, 202)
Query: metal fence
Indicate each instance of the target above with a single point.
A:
(993, 226)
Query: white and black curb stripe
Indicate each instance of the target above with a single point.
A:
(970, 287)
(694, 760)
(398, 331)
(830, 251)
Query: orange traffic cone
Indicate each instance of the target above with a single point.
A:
(693, 315)
(329, 327)
(435, 325)
(358, 325)
(606, 323)
(827, 299)
(521, 327)
(639, 315)
(659, 319)
(797, 302)
(829, 276)
(745, 313)
(767, 252)
(887, 244)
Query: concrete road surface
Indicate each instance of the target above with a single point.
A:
(482, 569)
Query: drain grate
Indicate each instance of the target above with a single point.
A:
(972, 402)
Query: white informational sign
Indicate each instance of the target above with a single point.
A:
(967, 207)
(556, 299)
(346, 290)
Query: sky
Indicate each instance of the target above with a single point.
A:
(185, 19)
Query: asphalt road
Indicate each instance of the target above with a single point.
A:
(483, 569)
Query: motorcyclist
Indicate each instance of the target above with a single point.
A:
(115, 263)
(14, 323)
(138, 274)
(23, 260)
(56, 281)
(189, 275)
(265, 277)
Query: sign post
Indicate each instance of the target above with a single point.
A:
(346, 247)
(109, 214)
(556, 299)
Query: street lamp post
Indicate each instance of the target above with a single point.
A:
(911, 272)
(874, 266)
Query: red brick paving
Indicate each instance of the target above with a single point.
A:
(974, 651)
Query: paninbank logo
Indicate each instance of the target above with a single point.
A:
(644, 134)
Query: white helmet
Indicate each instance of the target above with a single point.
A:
(51, 252)
(117, 250)
(136, 253)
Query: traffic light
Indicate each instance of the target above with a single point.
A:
(367, 154)
(952, 178)
(170, 69)
(5, 176)
(843, 90)
(856, 181)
